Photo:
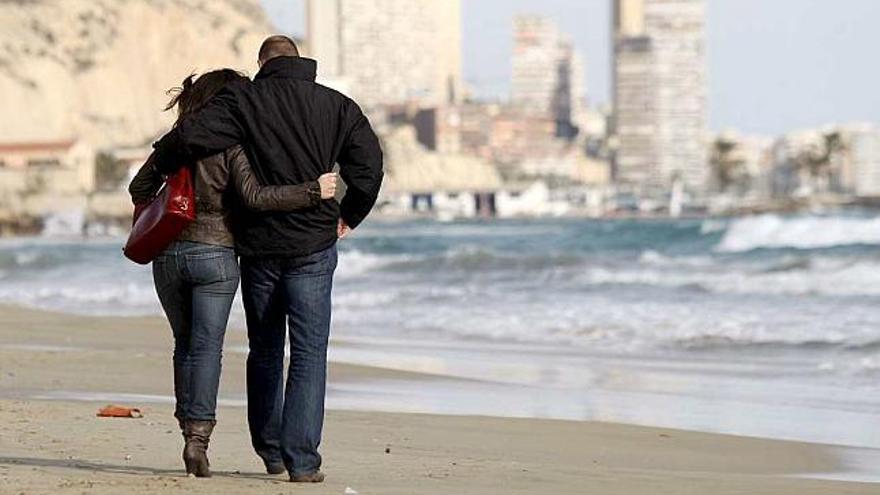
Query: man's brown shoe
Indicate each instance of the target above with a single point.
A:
(275, 468)
(316, 477)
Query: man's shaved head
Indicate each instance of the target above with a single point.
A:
(277, 46)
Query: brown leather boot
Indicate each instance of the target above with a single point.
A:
(197, 434)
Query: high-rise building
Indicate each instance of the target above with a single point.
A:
(660, 94)
(863, 153)
(634, 120)
(547, 79)
(386, 52)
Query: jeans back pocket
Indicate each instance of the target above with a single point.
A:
(211, 267)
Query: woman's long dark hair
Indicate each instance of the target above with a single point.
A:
(195, 92)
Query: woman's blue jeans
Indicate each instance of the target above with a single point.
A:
(196, 284)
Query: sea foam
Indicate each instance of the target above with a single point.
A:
(809, 232)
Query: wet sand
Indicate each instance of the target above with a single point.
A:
(60, 447)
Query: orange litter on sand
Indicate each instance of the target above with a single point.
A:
(119, 412)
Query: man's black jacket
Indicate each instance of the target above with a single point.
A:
(294, 130)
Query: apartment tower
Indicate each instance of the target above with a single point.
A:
(388, 52)
(659, 95)
(547, 73)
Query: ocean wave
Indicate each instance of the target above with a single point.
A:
(713, 226)
(794, 276)
(84, 277)
(475, 259)
(131, 298)
(651, 257)
(458, 231)
(790, 264)
(813, 232)
(32, 255)
(624, 286)
(858, 370)
(604, 323)
(353, 262)
(789, 274)
(709, 342)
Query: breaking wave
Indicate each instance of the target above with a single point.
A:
(762, 281)
(809, 232)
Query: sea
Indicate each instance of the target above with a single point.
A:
(762, 326)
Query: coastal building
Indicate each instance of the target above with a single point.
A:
(529, 199)
(476, 128)
(386, 52)
(516, 136)
(547, 73)
(738, 162)
(592, 122)
(566, 164)
(60, 167)
(741, 171)
(130, 159)
(424, 182)
(633, 121)
(520, 144)
(44, 180)
(861, 168)
(787, 179)
(828, 161)
(659, 95)
(439, 128)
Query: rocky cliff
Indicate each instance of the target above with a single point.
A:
(99, 69)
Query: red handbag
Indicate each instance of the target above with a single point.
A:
(160, 222)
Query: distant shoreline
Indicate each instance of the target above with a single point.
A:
(118, 224)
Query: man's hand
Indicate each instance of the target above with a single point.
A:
(343, 230)
(328, 185)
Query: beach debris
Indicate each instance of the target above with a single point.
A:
(111, 411)
(349, 491)
(387, 450)
(128, 457)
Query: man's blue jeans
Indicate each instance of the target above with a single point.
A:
(288, 295)
(196, 284)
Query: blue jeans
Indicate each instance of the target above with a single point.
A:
(281, 296)
(196, 284)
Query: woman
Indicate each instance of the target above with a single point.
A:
(197, 276)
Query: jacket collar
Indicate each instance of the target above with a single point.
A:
(300, 68)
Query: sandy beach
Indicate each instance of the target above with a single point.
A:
(51, 441)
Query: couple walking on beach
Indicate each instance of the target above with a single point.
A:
(262, 153)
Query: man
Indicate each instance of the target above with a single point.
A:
(294, 130)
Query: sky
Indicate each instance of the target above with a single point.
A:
(773, 65)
